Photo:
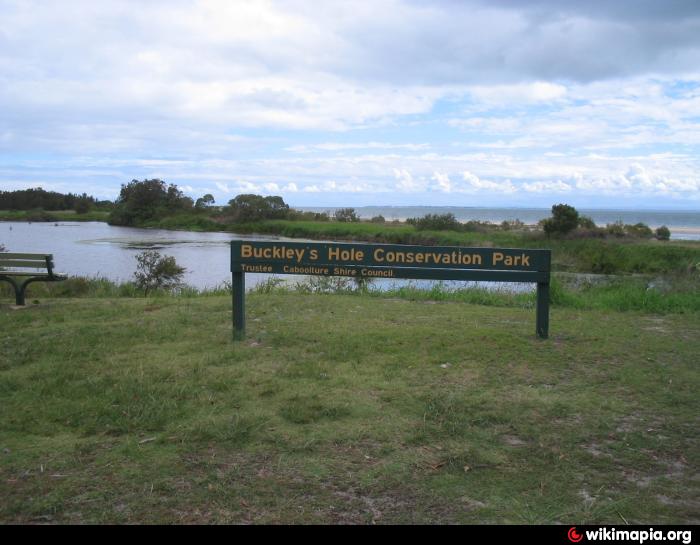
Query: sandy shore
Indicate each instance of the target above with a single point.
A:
(686, 230)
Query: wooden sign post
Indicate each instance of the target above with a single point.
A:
(389, 261)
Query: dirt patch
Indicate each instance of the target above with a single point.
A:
(655, 324)
(637, 422)
(674, 470)
(595, 450)
(513, 441)
(471, 504)
(586, 496)
(270, 490)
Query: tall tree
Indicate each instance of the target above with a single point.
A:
(141, 201)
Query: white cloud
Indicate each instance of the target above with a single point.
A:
(474, 183)
(442, 182)
(556, 186)
(338, 146)
(489, 125)
(244, 186)
(223, 187)
(519, 93)
(537, 98)
(637, 175)
(405, 181)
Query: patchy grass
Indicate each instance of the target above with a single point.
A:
(349, 409)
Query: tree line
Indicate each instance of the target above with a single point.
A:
(141, 202)
(148, 201)
(38, 198)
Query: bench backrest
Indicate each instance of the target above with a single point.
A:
(13, 261)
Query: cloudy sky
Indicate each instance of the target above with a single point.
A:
(381, 102)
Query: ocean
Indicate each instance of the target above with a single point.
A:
(684, 224)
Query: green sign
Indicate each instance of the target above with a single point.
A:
(389, 261)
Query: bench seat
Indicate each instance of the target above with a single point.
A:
(56, 276)
(31, 268)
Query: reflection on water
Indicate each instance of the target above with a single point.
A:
(97, 249)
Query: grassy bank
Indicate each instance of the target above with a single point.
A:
(603, 256)
(587, 255)
(345, 409)
(52, 215)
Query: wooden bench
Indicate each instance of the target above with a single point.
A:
(20, 270)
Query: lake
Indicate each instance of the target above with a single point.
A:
(96, 249)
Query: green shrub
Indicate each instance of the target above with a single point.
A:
(346, 215)
(616, 229)
(299, 215)
(586, 222)
(40, 215)
(564, 219)
(147, 200)
(154, 272)
(663, 233)
(436, 222)
(508, 225)
(249, 207)
(639, 230)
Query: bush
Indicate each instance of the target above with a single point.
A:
(40, 215)
(378, 219)
(346, 215)
(564, 220)
(663, 233)
(250, 208)
(299, 215)
(508, 225)
(148, 200)
(436, 222)
(602, 262)
(583, 232)
(586, 222)
(154, 271)
(616, 229)
(639, 230)
(82, 206)
(476, 226)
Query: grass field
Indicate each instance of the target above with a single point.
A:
(343, 408)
